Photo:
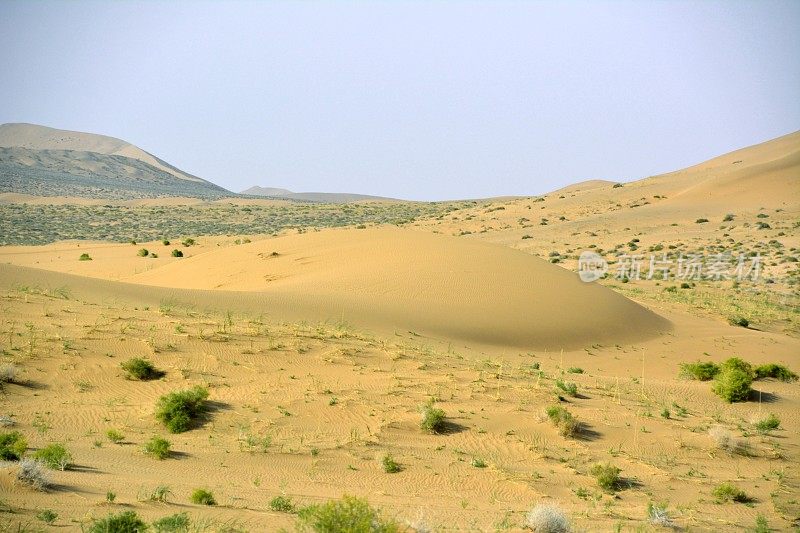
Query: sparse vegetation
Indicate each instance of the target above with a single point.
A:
(726, 440)
(547, 518)
(700, 371)
(115, 436)
(32, 473)
(433, 418)
(203, 497)
(143, 252)
(48, 516)
(776, 371)
(12, 446)
(765, 425)
(567, 425)
(157, 447)
(607, 476)
(141, 369)
(84, 257)
(177, 253)
(732, 382)
(390, 466)
(8, 373)
(124, 522)
(178, 410)
(176, 523)
(54, 456)
(282, 504)
(740, 321)
(727, 492)
(349, 514)
(567, 387)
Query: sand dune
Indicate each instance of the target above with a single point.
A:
(383, 279)
(450, 287)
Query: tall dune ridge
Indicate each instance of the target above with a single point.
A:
(35, 137)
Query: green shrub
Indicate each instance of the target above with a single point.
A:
(350, 514)
(574, 370)
(699, 371)
(433, 418)
(48, 516)
(739, 321)
(54, 456)
(177, 253)
(176, 523)
(157, 447)
(177, 410)
(701, 221)
(567, 387)
(389, 464)
(733, 381)
(203, 497)
(767, 424)
(727, 492)
(141, 369)
(84, 257)
(188, 242)
(567, 425)
(115, 436)
(165, 242)
(728, 217)
(479, 463)
(282, 504)
(143, 252)
(607, 476)
(772, 370)
(124, 522)
(12, 446)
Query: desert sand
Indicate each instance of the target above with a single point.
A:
(319, 347)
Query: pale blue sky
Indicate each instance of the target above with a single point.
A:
(420, 100)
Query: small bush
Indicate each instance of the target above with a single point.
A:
(726, 440)
(389, 464)
(607, 476)
(575, 370)
(84, 257)
(124, 522)
(701, 221)
(699, 371)
(48, 516)
(32, 473)
(567, 425)
(740, 321)
(733, 381)
(658, 515)
(727, 492)
(177, 253)
(177, 410)
(188, 242)
(157, 447)
(115, 436)
(165, 242)
(567, 387)
(176, 523)
(767, 424)
(728, 217)
(281, 504)
(55, 456)
(8, 373)
(432, 418)
(479, 463)
(349, 514)
(203, 497)
(141, 369)
(12, 446)
(143, 252)
(160, 494)
(110, 496)
(547, 518)
(772, 370)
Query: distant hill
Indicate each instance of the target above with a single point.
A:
(45, 161)
(322, 197)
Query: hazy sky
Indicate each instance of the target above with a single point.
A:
(419, 100)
